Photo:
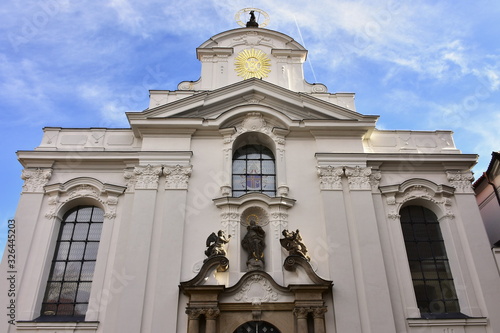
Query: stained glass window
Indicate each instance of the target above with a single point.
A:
(68, 287)
(254, 171)
(429, 266)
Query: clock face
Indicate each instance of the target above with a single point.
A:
(252, 63)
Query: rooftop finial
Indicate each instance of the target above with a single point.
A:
(252, 23)
(256, 21)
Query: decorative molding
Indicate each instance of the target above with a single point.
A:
(143, 177)
(358, 177)
(394, 216)
(279, 221)
(258, 214)
(461, 181)
(319, 312)
(254, 122)
(194, 313)
(330, 177)
(35, 179)
(256, 290)
(375, 178)
(212, 313)
(303, 311)
(283, 190)
(177, 176)
(230, 221)
(415, 189)
(84, 187)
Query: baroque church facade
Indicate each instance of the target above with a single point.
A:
(250, 201)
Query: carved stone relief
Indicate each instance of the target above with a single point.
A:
(143, 177)
(109, 199)
(439, 195)
(177, 177)
(358, 177)
(461, 181)
(147, 177)
(330, 177)
(257, 290)
(36, 179)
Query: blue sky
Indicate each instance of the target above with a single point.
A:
(420, 65)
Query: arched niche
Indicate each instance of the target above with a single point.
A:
(255, 128)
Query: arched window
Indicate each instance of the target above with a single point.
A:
(70, 279)
(430, 270)
(257, 327)
(254, 171)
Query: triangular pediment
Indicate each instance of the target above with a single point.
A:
(213, 104)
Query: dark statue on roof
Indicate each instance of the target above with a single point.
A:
(253, 22)
(215, 244)
(293, 244)
(254, 243)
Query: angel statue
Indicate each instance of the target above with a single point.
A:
(215, 244)
(293, 244)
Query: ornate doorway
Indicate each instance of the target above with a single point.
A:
(257, 327)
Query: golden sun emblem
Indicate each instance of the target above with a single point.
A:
(252, 63)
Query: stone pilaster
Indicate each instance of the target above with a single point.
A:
(194, 319)
(301, 314)
(211, 315)
(319, 319)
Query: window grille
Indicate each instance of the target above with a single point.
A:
(257, 327)
(70, 279)
(429, 266)
(254, 171)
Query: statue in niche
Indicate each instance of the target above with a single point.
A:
(293, 244)
(215, 244)
(254, 243)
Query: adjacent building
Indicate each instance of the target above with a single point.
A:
(487, 189)
(250, 201)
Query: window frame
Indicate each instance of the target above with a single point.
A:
(96, 218)
(421, 249)
(264, 154)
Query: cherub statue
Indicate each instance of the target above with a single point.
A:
(215, 244)
(293, 244)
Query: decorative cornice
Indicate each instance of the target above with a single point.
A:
(177, 176)
(35, 179)
(461, 181)
(330, 177)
